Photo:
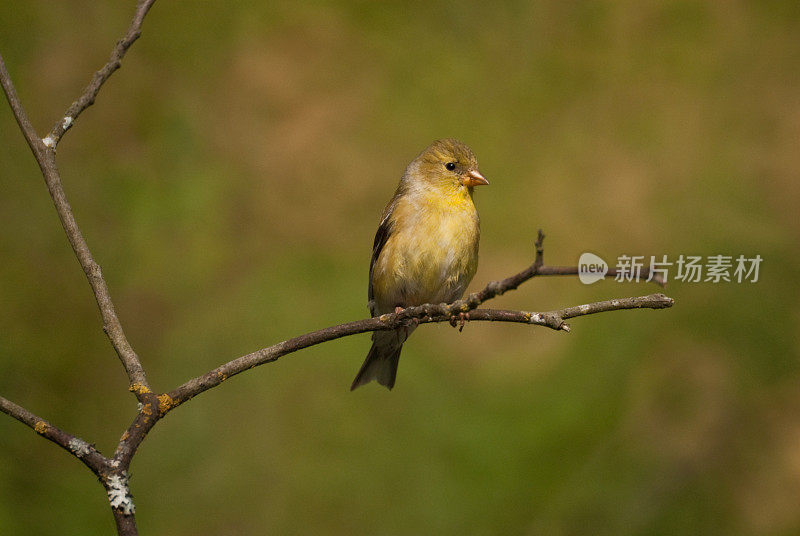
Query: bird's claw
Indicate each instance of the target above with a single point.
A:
(408, 324)
(459, 320)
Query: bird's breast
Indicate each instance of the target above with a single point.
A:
(430, 257)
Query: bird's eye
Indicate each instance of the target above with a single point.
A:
(450, 166)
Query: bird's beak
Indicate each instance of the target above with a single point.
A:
(473, 178)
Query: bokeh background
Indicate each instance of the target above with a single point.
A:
(231, 176)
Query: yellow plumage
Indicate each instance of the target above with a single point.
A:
(426, 248)
(432, 253)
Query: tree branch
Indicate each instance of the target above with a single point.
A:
(419, 314)
(76, 446)
(152, 411)
(16, 106)
(423, 314)
(556, 319)
(90, 93)
(44, 152)
(112, 475)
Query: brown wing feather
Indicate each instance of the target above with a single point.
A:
(381, 236)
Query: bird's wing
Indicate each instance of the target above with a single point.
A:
(381, 236)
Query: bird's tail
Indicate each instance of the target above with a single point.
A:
(382, 359)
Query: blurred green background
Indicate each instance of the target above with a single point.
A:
(230, 178)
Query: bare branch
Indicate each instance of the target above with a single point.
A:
(111, 473)
(420, 314)
(126, 524)
(573, 270)
(44, 152)
(111, 324)
(151, 412)
(90, 93)
(556, 319)
(76, 446)
(19, 112)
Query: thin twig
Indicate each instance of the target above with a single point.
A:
(90, 93)
(557, 319)
(19, 112)
(76, 446)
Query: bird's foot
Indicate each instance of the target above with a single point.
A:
(459, 320)
(408, 323)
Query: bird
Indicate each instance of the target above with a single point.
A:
(425, 249)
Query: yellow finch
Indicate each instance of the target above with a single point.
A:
(426, 247)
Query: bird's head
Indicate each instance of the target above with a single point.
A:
(447, 162)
